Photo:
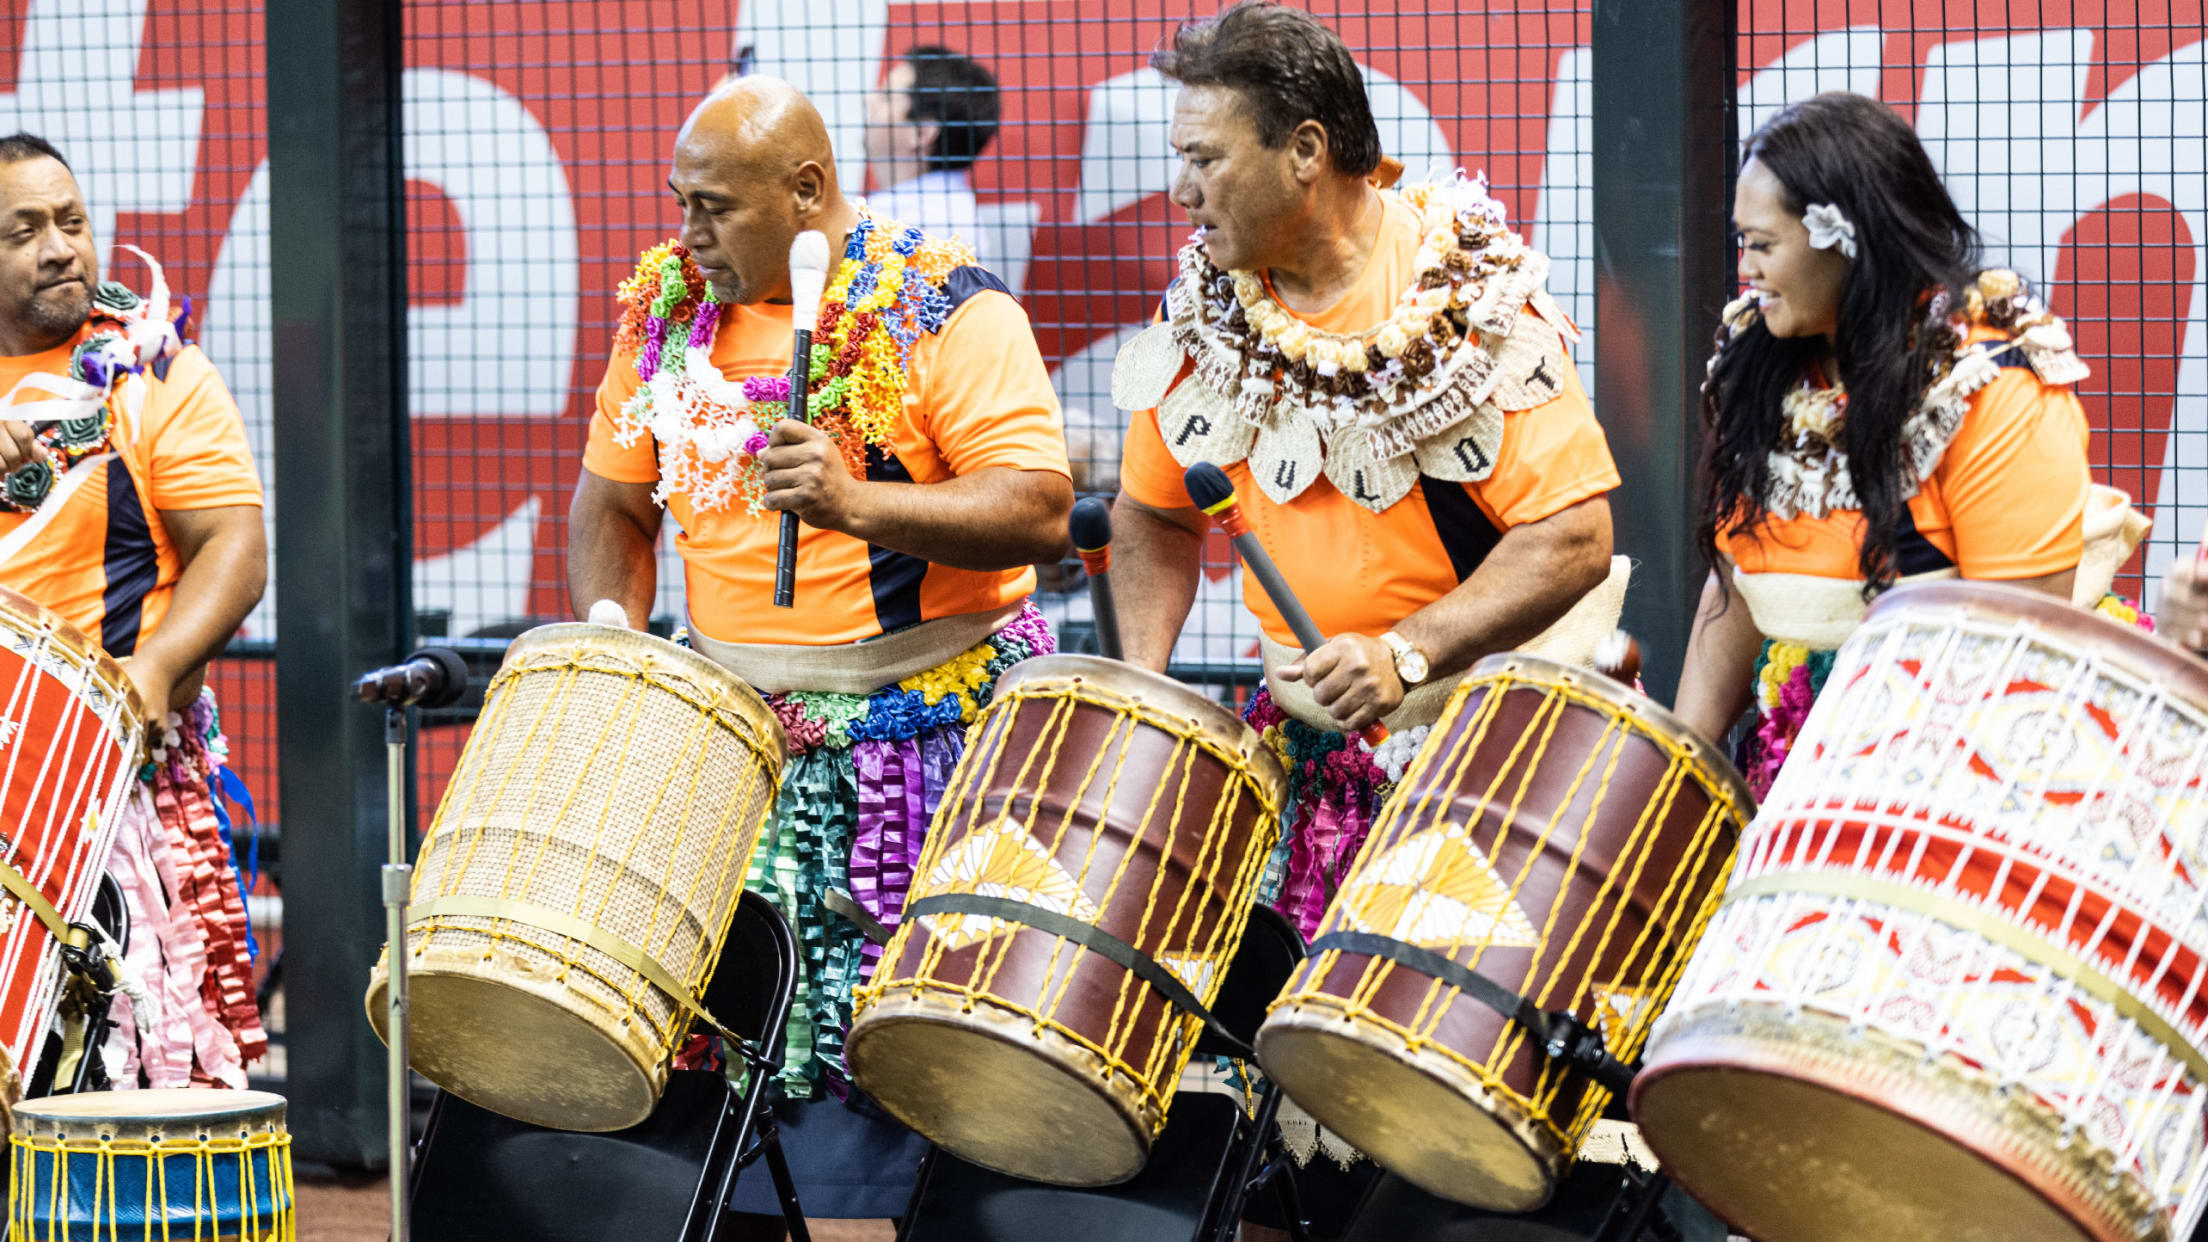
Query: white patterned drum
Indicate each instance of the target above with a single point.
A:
(1958, 985)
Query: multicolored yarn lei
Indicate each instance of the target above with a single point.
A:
(1789, 677)
(866, 775)
(1336, 785)
(888, 290)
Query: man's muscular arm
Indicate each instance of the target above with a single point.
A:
(225, 556)
(1157, 563)
(1536, 573)
(611, 530)
(995, 518)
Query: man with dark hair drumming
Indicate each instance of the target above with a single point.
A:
(931, 119)
(930, 477)
(1385, 380)
(131, 508)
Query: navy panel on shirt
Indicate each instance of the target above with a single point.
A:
(1467, 534)
(964, 282)
(894, 576)
(132, 563)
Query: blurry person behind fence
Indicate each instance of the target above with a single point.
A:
(930, 120)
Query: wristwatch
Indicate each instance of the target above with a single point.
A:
(1410, 663)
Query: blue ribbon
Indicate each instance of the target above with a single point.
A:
(226, 783)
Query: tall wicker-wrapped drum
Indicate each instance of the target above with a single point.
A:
(572, 895)
(1101, 794)
(1560, 836)
(1958, 986)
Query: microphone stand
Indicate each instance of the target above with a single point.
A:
(398, 879)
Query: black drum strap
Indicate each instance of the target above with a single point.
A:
(1089, 936)
(1559, 1035)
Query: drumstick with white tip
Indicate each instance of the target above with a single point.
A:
(808, 277)
(1208, 487)
(1092, 539)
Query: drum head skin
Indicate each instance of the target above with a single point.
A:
(928, 1063)
(1437, 1131)
(1789, 1153)
(518, 1054)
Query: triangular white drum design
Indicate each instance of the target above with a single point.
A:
(1434, 889)
(1000, 860)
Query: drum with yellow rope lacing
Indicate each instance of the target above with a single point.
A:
(572, 895)
(72, 734)
(1087, 879)
(193, 1162)
(1546, 863)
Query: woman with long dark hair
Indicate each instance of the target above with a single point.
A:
(1879, 409)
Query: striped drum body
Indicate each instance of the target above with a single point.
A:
(71, 735)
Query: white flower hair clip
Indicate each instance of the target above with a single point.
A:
(1828, 228)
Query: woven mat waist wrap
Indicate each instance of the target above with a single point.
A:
(853, 668)
(1820, 613)
(1571, 640)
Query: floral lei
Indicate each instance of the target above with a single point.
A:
(125, 339)
(711, 430)
(951, 693)
(1454, 353)
(1809, 473)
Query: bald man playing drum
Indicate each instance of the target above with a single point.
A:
(930, 478)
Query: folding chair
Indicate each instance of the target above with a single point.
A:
(479, 1176)
(1205, 1164)
(1595, 1201)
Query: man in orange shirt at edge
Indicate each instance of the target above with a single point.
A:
(1385, 381)
(132, 510)
(913, 567)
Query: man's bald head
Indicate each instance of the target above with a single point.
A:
(753, 168)
(758, 118)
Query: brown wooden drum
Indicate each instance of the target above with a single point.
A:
(1108, 796)
(1559, 835)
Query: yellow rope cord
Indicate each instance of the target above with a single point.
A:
(1427, 796)
(979, 788)
(271, 1220)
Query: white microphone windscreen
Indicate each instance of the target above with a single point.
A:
(808, 277)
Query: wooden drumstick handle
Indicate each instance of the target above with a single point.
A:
(1208, 487)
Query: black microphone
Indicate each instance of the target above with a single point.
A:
(431, 677)
(808, 277)
(1092, 538)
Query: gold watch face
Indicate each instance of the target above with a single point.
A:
(1410, 662)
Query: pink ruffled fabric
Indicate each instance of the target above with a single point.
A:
(168, 955)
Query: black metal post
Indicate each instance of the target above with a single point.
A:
(1663, 149)
(336, 245)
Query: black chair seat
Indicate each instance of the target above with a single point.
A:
(1397, 1211)
(1201, 1167)
(480, 1176)
(961, 1202)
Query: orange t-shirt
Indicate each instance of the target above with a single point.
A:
(105, 562)
(978, 397)
(2007, 499)
(1362, 572)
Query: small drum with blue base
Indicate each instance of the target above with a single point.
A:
(201, 1164)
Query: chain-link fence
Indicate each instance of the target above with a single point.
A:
(536, 141)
